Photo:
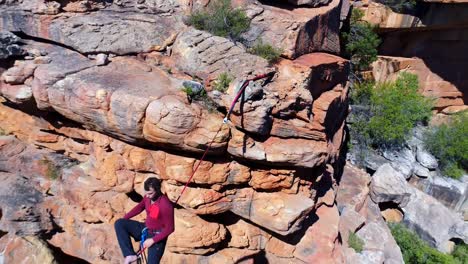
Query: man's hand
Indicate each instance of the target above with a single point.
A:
(148, 243)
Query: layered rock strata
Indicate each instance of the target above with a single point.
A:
(93, 106)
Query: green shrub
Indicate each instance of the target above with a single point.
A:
(361, 93)
(201, 97)
(449, 144)
(361, 41)
(385, 113)
(396, 108)
(355, 242)
(460, 253)
(415, 250)
(222, 82)
(221, 19)
(266, 51)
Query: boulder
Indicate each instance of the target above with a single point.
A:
(353, 188)
(388, 185)
(401, 160)
(300, 152)
(379, 243)
(450, 192)
(420, 170)
(426, 159)
(350, 222)
(373, 160)
(433, 222)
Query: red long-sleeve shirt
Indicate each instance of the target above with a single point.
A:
(159, 216)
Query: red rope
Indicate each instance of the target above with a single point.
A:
(199, 162)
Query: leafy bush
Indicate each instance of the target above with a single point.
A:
(385, 113)
(460, 253)
(222, 82)
(396, 108)
(415, 250)
(266, 51)
(361, 93)
(221, 19)
(355, 242)
(449, 144)
(361, 41)
(201, 97)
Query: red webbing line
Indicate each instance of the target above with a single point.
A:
(199, 162)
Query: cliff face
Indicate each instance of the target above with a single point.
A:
(93, 106)
(431, 44)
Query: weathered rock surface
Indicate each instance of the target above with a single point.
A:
(353, 189)
(201, 54)
(193, 235)
(114, 31)
(28, 249)
(95, 106)
(296, 31)
(313, 3)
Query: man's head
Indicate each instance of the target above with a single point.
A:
(152, 188)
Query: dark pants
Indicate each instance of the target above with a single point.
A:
(129, 228)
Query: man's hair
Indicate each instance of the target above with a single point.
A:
(155, 184)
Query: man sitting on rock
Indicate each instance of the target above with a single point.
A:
(159, 223)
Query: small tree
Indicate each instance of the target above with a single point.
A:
(221, 19)
(361, 41)
(396, 108)
(355, 242)
(386, 112)
(222, 82)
